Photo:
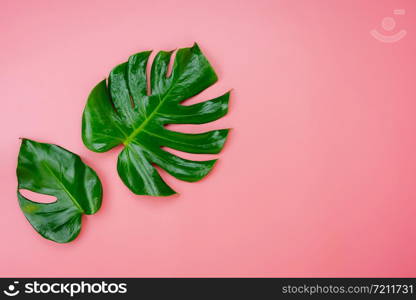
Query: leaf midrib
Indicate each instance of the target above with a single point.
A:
(63, 187)
(135, 132)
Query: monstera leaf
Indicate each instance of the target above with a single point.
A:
(51, 170)
(126, 112)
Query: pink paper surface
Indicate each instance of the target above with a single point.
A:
(317, 177)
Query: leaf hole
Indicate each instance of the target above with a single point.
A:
(194, 128)
(37, 197)
(148, 72)
(131, 101)
(190, 156)
(171, 62)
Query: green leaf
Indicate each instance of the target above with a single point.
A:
(125, 112)
(51, 170)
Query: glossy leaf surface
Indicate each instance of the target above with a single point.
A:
(125, 112)
(51, 170)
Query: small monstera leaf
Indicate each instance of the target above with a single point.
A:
(126, 112)
(51, 170)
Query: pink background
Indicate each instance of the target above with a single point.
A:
(318, 175)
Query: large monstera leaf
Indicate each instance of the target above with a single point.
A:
(51, 170)
(125, 112)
